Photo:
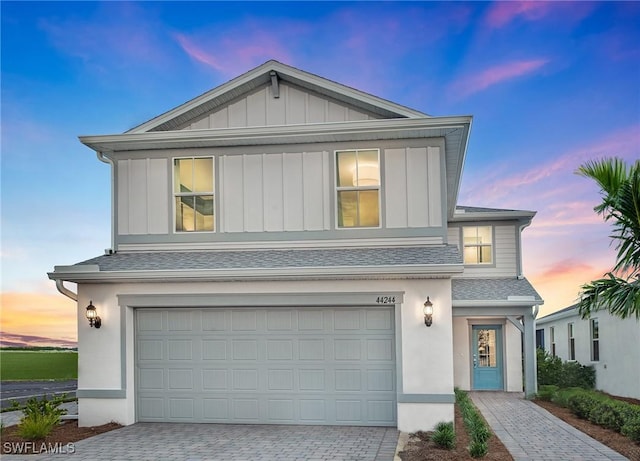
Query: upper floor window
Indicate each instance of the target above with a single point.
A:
(595, 340)
(572, 342)
(477, 243)
(193, 189)
(358, 188)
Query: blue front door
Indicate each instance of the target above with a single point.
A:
(486, 351)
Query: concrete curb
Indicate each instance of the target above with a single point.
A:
(403, 438)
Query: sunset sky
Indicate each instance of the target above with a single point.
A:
(550, 86)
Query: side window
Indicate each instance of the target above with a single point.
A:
(552, 337)
(572, 342)
(193, 189)
(358, 188)
(595, 340)
(477, 242)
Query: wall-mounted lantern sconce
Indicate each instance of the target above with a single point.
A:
(92, 315)
(428, 312)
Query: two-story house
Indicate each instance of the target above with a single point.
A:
(288, 250)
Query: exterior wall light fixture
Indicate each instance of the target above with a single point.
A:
(428, 312)
(92, 316)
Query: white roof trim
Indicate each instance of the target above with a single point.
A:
(287, 73)
(278, 134)
(92, 273)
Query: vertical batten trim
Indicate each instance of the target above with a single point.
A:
(223, 203)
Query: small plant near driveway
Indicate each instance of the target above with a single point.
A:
(444, 435)
(40, 417)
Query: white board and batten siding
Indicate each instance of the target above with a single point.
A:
(143, 196)
(413, 195)
(294, 106)
(275, 192)
(505, 248)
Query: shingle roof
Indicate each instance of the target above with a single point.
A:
(275, 259)
(490, 289)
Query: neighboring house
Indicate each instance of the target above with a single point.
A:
(275, 241)
(608, 343)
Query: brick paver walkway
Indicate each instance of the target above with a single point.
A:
(195, 442)
(531, 433)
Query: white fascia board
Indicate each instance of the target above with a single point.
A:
(351, 272)
(375, 129)
(493, 215)
(558, 316)
(496, 303)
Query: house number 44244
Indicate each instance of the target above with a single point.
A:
(386, 300)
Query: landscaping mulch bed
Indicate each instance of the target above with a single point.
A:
(60, 440)
(421, 448)
(612, 439)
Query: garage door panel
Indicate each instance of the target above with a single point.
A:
(214, 320)
(280, 349)
(180, 321)
(380, 349)
(180, 349)
(214, 349)
(280, 380)
(180, 379)
(149, 321)
(379, 320)
(181, 408)
(244, 320)
(215, 409)
(215, 379)
(310, 320)
(150, 349)
(347, 349)
(280, 320)
(244, 349)
(267, 366)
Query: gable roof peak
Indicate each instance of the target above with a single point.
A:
(262, 75)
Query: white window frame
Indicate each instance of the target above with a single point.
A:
(552, 337)
(571, 329)
(357, 188)
(175, 194)
(594, 339)
(491, 245)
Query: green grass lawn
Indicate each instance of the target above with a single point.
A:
(34, 365)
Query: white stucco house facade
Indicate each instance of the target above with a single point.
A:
(274, 243)
(608, 343)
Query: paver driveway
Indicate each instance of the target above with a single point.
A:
(192, 442)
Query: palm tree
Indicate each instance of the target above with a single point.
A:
(619, 290)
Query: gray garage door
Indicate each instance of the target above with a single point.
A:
(266, 366)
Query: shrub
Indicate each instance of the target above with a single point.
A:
(602, 410)
(582, 404)
(609, 414)
(562, 396)
(40, 417)
(574, 374)
(631, 428)
(549, 368)
(37, 427)
(444, 436)
(45, 406)
(478, 449)
(546, 392)
(553, 371)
